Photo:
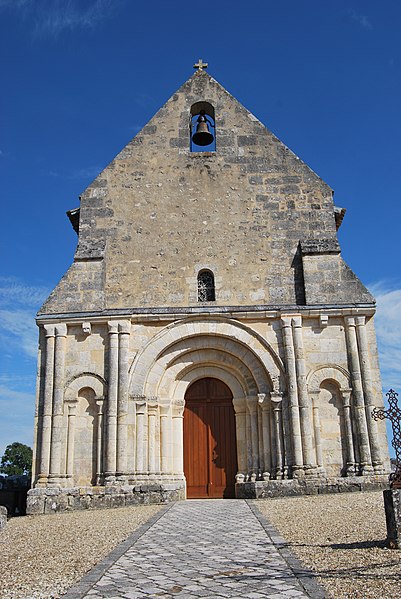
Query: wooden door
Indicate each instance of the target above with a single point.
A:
(210, 448)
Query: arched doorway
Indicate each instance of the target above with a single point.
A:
(210, 449)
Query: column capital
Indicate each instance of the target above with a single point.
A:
(153, 405)
(276, 397)
(346, 396)
(252, 403)
(285, 321)
(124, 327)
(360, 321)
(178, 408)
(164, 405)
(349, 321)
(297, 321)
(61, 329)
(239, 405)
(50, 330)
(113, 327)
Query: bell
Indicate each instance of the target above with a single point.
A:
(202, 136)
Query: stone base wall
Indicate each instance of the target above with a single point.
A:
(50, 501)
(3, 516)
(317, 486)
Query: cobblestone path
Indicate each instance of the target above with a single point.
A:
(201, 548)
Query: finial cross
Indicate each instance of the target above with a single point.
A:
(394, 415)
(200, 65)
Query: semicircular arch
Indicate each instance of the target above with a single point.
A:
(82, 381)
(242, 341)
(328, 372)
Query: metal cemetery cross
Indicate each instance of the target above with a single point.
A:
(394, 415)
(200, 65)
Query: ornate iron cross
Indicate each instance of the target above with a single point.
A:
(200, 65)
(394, 415)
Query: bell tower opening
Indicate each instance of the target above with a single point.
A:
(202, 128)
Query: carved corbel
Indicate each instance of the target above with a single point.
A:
(86, 328)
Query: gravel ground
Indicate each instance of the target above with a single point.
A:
(342, 538)
(42, 556)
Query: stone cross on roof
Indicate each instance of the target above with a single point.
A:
(200, 65)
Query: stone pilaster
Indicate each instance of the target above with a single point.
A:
(349, 441)
(252, 404)
(296, 438)
(304, 403)
(178, 437)
(240, 427)
(152, 440)
(317, 429)
(165, 436)
(276, 402)
(99, 441)
(71, 416)
(141, 436)
(56, 447)
(265, 435)
(364, 360)
(44, 467)
(111, 443)
(124, 328)
(357, 392)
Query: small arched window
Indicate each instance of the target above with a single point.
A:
(202, 128)
(206, 290)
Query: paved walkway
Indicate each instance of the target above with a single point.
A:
(201, 548)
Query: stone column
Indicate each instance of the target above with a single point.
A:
(304, 404)
(252, 403)
(72, 409)
(44, 467)
(165, 435)
(240, 427)
(56, 447)
(111, 446)
(122, 401)
(152, 415)
(364, 360)
(264, 434)
(141, 435)
(178, 450)
(297, 465)
(317, 429)
(349, 442)
(276, 402)
(99, 441)
(359, 404)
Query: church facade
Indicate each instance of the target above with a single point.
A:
(208, 339)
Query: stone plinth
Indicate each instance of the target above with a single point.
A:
(392, 506)
(53, 500)
(312, 486)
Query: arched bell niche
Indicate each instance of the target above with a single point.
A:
(202, 128)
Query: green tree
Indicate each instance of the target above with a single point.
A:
(17, 459)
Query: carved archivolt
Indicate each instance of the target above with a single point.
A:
(329, 372)
(82, 381)
(201, 334)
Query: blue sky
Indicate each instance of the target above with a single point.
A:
(79, 78)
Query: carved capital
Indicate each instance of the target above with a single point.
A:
(61, 329)
(297, 321)
(349, 321)
(50, 330)
(276, 397)
(124, 327)
(360, 321)
(113, 327)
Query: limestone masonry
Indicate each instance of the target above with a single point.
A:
(214, 267)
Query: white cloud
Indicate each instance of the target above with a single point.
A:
(53, 17)
(388, 329)
(18, 305)
(362, 20)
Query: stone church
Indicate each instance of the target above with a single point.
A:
(208, 339)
